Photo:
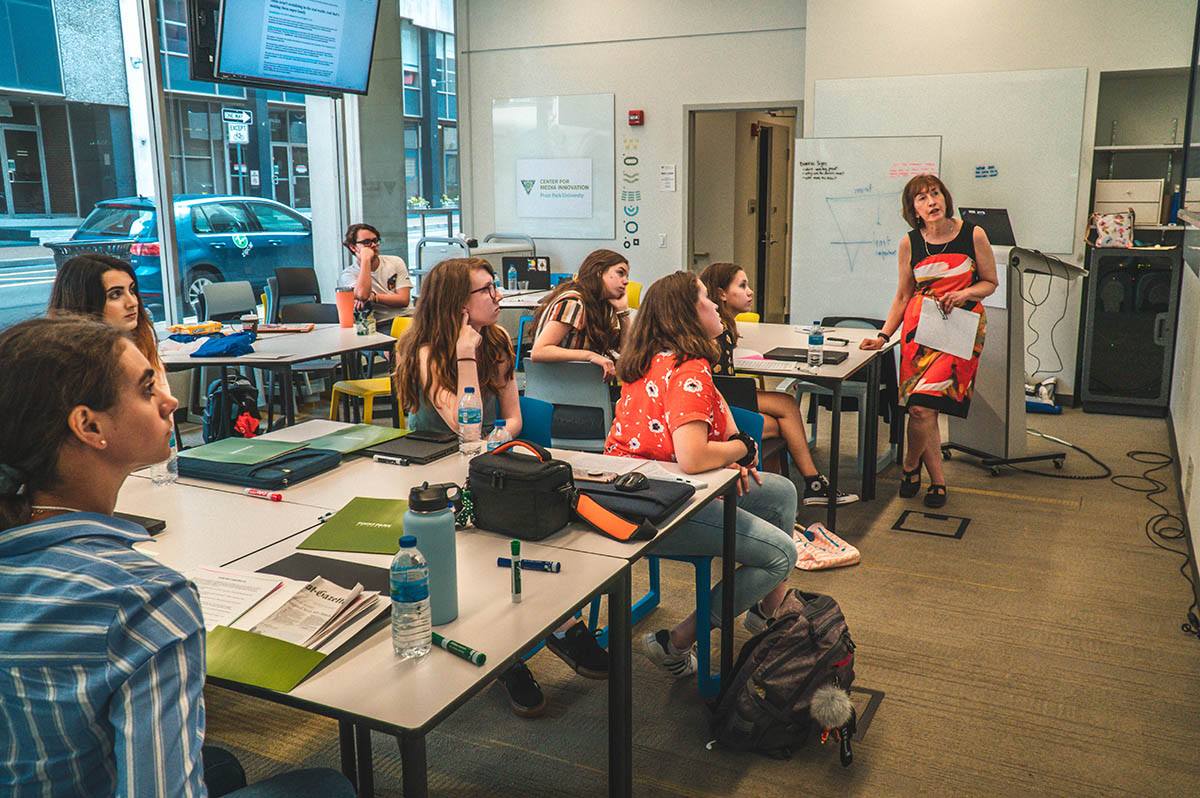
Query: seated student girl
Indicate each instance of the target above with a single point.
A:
(454, 343)
(585, 318)
(106, 289)
(729, 287)
(101, 646)
(670, 410)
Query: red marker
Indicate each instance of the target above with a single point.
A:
(259, 493)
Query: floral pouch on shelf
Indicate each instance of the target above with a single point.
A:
(1111, 229)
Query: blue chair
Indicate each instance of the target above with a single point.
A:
(521, 322)
(558, 277)
(535, 420)
(577, 384)
(707, 683)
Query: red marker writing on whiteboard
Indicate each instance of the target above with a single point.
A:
(259, 493)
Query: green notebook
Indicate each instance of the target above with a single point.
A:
(372, 526)
(255, 659)
(242, 451)
(351, 439)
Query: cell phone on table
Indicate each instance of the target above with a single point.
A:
(432, 436)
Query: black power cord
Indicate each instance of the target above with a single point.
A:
(1107, 471)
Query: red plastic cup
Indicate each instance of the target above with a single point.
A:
(344, 297)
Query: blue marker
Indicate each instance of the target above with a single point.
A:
(549, 566)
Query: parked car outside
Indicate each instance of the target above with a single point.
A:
(220, 238)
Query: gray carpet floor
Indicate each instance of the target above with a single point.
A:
(1038, 654)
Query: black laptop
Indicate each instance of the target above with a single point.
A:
(830, 356)
(417, 448)
(152, 525)
(535, 270)
(994, 222)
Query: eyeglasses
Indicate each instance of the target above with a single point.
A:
(492, 289)
(368, 242)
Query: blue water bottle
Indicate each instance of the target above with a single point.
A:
(430, 519)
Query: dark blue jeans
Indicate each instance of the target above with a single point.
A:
(224, 776)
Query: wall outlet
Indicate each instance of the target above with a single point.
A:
(662, 240)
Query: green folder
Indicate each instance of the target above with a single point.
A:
(351, 439)
(249, 658)
(364, 525)
(242, 451)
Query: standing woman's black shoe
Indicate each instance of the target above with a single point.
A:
(911, 484)
(936, 496)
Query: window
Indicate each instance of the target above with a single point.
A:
(410, 57)
(412, 160)
(276, 220)
(226, 217)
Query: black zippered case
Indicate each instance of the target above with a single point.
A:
(523, 496)
(278, 472)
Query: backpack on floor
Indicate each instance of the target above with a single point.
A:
(243, 400)
(790, 679)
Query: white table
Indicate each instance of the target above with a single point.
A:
(764, 337)
(523, 300)
(281, 351)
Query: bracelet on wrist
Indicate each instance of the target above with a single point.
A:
(461, 359)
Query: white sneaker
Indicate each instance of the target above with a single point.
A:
(754, 621)
(657, 646)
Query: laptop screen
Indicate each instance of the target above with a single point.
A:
(535, 271)
(994, 222)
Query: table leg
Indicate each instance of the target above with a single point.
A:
(415, 776)
(728, 562)
(620, 689)
(287, 388)
(871, 444)
(835, 444)
(365, 767)
(346, 744)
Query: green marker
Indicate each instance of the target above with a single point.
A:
(515, 546)
(459, 650)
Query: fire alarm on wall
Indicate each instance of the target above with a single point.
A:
(637, 118)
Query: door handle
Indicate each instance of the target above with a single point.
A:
(274, 241)
(217, 245)
(1160, 325)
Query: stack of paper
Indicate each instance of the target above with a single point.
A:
(316, 613)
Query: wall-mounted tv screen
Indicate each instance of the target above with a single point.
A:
(314, 46)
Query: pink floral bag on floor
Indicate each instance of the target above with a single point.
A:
(1111, 229)
(817, 548)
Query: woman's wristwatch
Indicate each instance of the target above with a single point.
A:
(751, 448)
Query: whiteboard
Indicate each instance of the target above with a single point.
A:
(1009, 139)
(554, 166)
(848, 224)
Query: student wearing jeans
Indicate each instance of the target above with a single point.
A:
(455, 343)
(671, 410)
(101, 646)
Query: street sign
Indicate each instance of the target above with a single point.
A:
(237, 115)
(237, 133)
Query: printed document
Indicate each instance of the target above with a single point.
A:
(226, 595)
(953, 333)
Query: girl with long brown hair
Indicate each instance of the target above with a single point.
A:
(729, 287)
(671, 410)
(585, 318)
(106, 289)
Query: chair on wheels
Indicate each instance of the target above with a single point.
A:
(369, 388)
(707, 683)
(854, 393)
(573, 384)
(741, 393)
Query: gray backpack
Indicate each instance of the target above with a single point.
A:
(789, 680)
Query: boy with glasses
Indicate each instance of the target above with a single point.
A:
(380, 282)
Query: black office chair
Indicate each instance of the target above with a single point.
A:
(295, 284)
(742, 392)
(304, 312)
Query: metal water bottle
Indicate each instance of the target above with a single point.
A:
(430, 519)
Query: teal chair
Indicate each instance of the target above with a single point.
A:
(707, 683)
(535, 420)
(577, 384)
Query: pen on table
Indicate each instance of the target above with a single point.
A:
(259, 493)
(833, 340)
(383, 458)
(549, 566)
(515, 547)
(459, 650)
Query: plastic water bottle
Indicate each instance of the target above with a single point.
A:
(499, 435)
(470, 423)
(512, 277)
(411, 631)
(166, 472)
(816, 347)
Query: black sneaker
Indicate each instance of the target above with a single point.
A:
(524, 693)
(579, 649)
(816, 492)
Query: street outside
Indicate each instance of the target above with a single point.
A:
(27, 273)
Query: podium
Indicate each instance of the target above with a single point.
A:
(995, 429)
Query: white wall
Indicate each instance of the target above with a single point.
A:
(1185, 387)
(654, 55)
(876, 38)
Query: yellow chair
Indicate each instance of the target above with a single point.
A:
(747, 317)
(368, 389)
(634, 292)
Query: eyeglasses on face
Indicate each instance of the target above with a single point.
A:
(368, 242)
(492, 289)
